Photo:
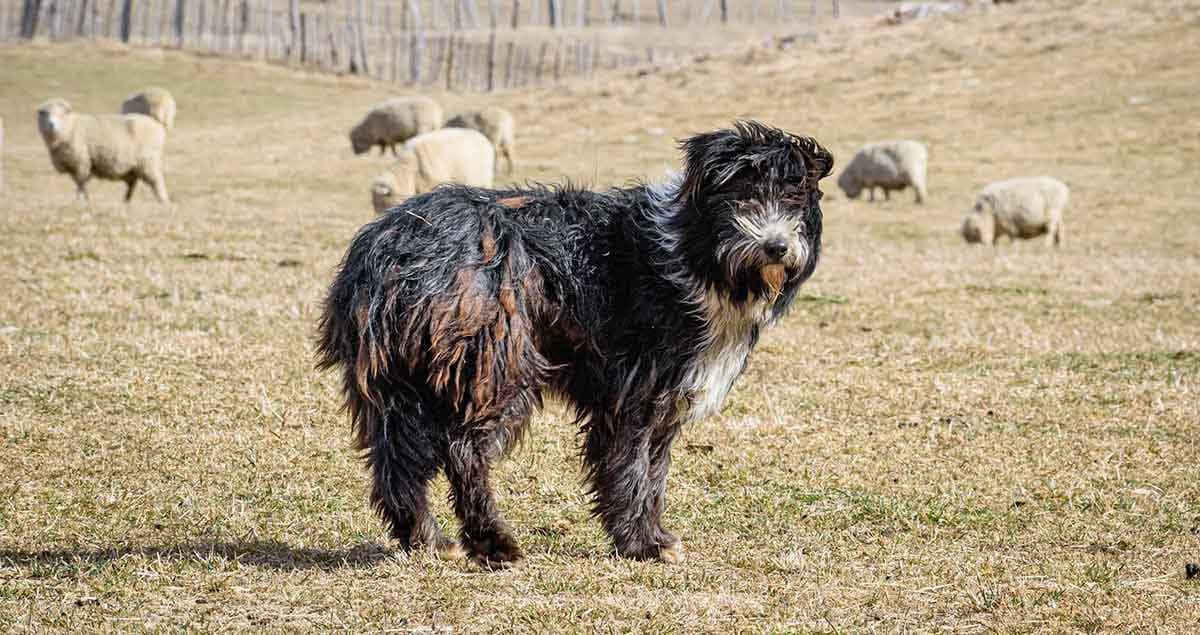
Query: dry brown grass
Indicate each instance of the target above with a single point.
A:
(938, 437)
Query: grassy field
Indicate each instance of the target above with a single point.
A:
(938, 437)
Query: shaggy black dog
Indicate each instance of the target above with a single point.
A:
(456, 311)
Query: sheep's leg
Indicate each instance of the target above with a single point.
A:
(509, 159)
(130, 184)
(871, 192)
(81, 193)
(887, 194)
(155, 180)
(395, 154)
(920, 188)
(1054, 236)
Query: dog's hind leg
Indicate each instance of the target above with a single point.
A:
(628, 464)
(485, 536)
(403, 460)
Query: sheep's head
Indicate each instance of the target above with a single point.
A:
(976, 223)
(359, 140)
(54, 117)
(849, 185)
(383, 193)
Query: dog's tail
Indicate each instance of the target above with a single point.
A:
(347, 339)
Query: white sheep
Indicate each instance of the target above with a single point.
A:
(497, 125)
(450, 155)
(395, 121)
(114, 147)
(153, 102)
(1019, 208)
(888, 165)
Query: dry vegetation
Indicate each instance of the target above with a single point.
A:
(937, 437)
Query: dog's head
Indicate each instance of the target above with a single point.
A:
(749, 210)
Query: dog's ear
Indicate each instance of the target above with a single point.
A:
(818, 162)
(700, 155)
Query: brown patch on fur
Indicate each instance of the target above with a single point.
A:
(508, 300)
(514, 202)
(487, 243)
(774, 276)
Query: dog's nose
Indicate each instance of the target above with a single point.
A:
(776, 248)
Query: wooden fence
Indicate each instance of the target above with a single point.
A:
(448, 43)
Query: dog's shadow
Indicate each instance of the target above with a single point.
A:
(260, 553)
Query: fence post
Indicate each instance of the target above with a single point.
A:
(146, 10)
(81, 19)
(160, 25)
(30, 12)
(541, 65)
(558, 59)
(179, 19)
(361, 43)
(416, 53)
(516, 14)
(491, 62)
(267, 24)
(510, 59)
(662, 13)
(450, 63)
(836, 9)
(552, 13)
(243, 26)
(295, 25)
(201, 23)
(126, 19)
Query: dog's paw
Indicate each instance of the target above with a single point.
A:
(669, 551)
(494, 550)
(672, 553)
(449, 550)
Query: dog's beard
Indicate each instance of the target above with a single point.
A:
(773, 277)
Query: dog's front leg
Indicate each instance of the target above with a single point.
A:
(628, 463)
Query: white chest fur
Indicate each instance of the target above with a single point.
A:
(723, 356)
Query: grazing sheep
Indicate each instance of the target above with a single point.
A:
(888, 165)
(451, 155)
(497, 125)
(153, 102)
(395, 121)
(1018, 208)
(114, 147)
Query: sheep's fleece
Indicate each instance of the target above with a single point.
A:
(395, 121)
(889, 165)
(450, 155)
(497, 125)
(154, 102)
(1019, 208)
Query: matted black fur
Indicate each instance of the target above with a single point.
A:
(455, 312)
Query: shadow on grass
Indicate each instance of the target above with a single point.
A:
(269, 554)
